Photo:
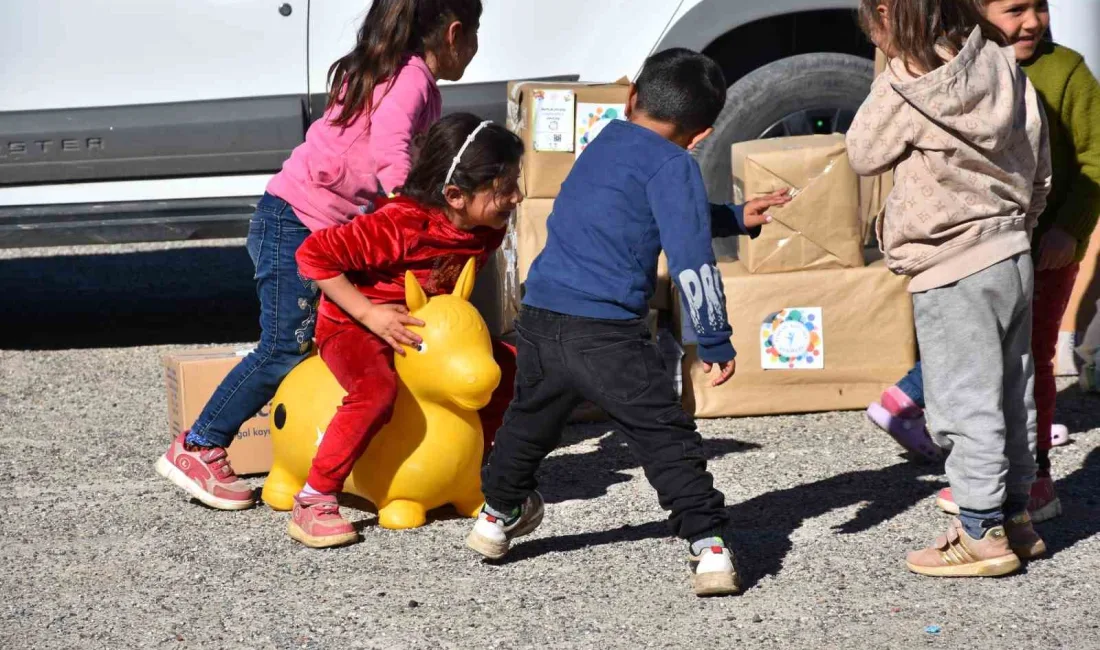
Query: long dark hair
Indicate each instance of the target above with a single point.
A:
(391, 30)
(917, 27)
(493, 154)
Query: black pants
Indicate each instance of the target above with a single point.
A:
(563, 360)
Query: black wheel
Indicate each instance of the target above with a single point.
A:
(799, 95)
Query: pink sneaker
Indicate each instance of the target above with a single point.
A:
(316, 522)
(1043, 505)
(910, 433)
(899, 404)
(206, 475)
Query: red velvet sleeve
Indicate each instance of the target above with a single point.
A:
(370, 241)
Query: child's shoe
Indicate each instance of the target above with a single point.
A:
(205, 474)
(1042, 506)
(713, 573)
(492, 535)
(316, 522)
(1022, 538)
(899, 404)
(910, 433)
(1059, 435)
(957, 554)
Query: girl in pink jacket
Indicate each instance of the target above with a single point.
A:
(382, 98)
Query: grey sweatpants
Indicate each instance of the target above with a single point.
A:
(979, 377)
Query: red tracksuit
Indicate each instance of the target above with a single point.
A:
(1052, 294)
(374, 251)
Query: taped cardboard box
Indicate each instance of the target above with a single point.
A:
(819, 228)
(873, 190)
(191, 376)
(556, 121)
(806, 341)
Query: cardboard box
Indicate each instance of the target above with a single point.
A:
(866, 341)
(191, 376)
(556, 121)
(819, 228)
(873, 190)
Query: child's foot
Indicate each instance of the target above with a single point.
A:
(316, 522)
(1023, 539)
(205, 474)
(492, 534)
(910, 433)
(713, 573)
(957, 554)
(1059, 435)
(1042, 506)
(899, 404)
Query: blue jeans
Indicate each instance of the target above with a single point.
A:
(912, 384)
(288, 314)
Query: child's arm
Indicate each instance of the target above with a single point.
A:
(368, 242)
(679, 202)
(729, 220)
(394, 124)
(881, 130)
(1081, 112)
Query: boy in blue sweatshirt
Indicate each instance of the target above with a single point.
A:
(581, 334)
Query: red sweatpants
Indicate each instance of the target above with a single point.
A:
(1052, 292)
(363, 364)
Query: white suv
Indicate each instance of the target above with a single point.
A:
(142, 120)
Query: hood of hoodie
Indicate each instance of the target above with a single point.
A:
(964, 95)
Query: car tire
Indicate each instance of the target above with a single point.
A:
(763, 98)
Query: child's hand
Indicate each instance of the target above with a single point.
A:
(727, 369)
(389, 322)
(1056, 250)
(754, 209)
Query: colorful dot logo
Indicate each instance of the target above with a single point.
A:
(792, 339)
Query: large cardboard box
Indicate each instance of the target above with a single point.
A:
(819, 228)
(190, 377)
(873, 190)
(863, 319)
(556, 121)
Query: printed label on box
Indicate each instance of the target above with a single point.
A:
(554, 114)
(592, 118)
(793, 339)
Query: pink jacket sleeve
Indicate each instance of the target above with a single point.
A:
(407, 108)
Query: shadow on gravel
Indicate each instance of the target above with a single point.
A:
(1079, 411)
(761, 528)
(589, 475)
(181, 296)
(1080, 496)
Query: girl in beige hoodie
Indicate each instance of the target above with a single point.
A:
(963, 130)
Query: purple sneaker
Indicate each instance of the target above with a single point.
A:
(910, 433)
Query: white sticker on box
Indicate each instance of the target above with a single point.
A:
(793, 339)
(554, 114)
(592, 118)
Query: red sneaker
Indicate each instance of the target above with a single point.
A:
(316, 522)
(205, 474)
(1043, 505)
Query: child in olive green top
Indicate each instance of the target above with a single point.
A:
(1070, 95)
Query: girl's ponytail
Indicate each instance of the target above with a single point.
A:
(391, 30)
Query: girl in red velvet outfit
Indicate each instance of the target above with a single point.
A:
(455, 204)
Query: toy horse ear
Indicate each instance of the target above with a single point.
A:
(415, 297)
(465, 285)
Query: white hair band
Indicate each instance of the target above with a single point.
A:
(462, 150)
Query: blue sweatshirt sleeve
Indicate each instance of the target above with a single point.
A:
(679, 202)
(728, 220)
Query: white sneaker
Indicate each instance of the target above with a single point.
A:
(714, 573)
(491, 535)
(1059, 435)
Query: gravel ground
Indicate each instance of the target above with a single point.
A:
(96, 551)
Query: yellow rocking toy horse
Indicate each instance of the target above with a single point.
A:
(429, 455)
